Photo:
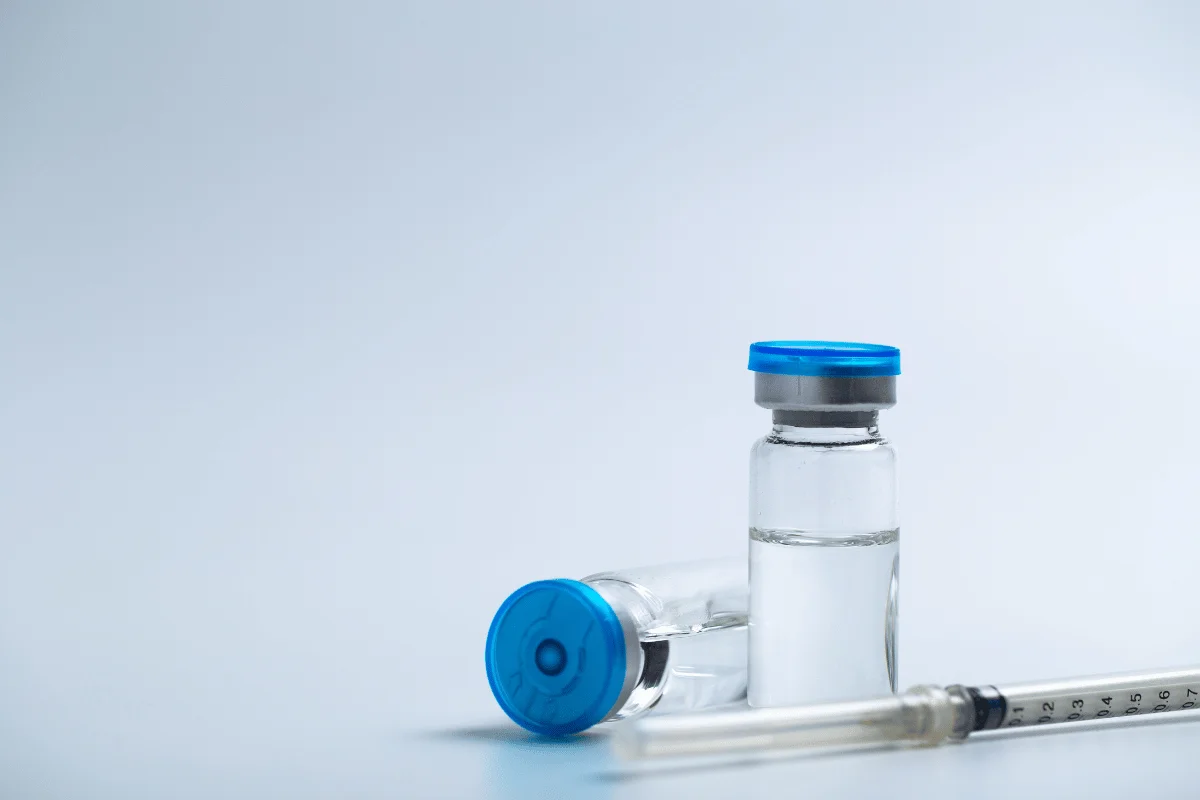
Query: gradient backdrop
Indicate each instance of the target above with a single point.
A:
(324, 326)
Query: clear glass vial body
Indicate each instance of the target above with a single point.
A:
(691, 628)
(563, 655)
(824, 560)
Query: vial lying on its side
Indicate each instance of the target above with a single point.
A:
(564, 655)
(824, 526)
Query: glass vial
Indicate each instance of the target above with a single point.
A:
(564, 655)
(824, 525)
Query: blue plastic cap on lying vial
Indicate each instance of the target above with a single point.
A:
(825, 359)
(556, 657)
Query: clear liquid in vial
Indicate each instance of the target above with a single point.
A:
(822, 615)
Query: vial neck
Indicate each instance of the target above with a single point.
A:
(825, 427)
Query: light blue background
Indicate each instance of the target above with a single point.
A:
(323, 327)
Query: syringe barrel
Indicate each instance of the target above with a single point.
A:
(1114, 696)
(923, 714)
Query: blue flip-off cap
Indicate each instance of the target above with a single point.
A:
(556, 657)
(825, 359)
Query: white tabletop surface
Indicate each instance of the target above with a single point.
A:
(324, 326)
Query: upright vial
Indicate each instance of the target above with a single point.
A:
(564, 655)
(824, 524)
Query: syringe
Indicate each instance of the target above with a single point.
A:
(923, 715)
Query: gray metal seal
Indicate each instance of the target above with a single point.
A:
(821, 393)
(633, 660)
(633, 647)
